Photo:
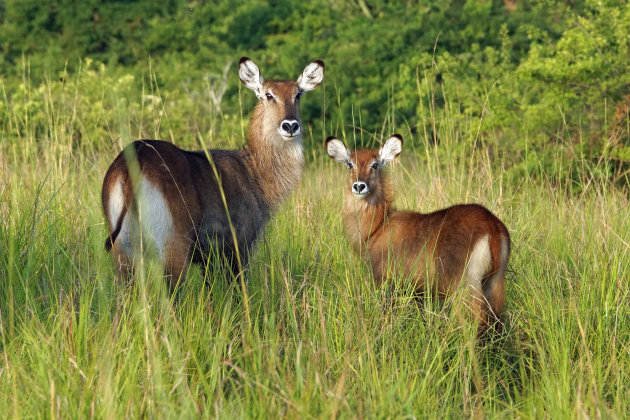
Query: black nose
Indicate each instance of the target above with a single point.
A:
(290, 127)
(359, 186)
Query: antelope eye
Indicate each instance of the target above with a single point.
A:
(349, 165)
(298, 96)
(375, 165)
(269, 96)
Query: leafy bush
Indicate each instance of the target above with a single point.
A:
(523, 76)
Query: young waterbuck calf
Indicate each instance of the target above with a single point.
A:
(181, 204)
(460, 245)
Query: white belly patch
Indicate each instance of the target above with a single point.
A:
(479, 263)
(154, 216)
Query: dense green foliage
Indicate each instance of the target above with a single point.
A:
(542, 74)
(520, 106)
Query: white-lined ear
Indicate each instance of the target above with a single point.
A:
(249, 74)
(338, 151)
(312, 76)
(391, 149)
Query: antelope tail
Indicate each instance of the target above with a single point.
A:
(109, 242)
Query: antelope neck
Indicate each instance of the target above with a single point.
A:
(364, 218)
(276, 163)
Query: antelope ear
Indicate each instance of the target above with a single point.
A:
(391, 149)
(249, 74)
(312, 76)
(338, 151)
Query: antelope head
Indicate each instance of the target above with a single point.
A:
(367, 181)
(277, 115)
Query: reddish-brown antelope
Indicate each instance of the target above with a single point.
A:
(182, 204)
(463, 245)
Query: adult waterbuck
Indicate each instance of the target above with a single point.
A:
(464, 245)
(180, 205)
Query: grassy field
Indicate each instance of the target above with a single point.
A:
(316, 339)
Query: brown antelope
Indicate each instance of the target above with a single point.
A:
(460, 245)
(178, 199)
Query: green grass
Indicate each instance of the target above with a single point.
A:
(322, 340)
